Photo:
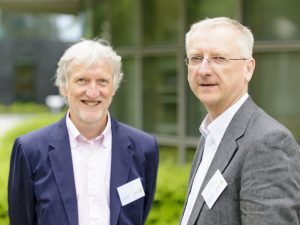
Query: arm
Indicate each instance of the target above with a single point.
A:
(21, 200)
(151, 175)
(270, 181)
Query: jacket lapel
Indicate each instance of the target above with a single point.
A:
(120, 166)
(196, 162)
(61, 162)
(226, 150)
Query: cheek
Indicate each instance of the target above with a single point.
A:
(77, 90)
(191, 76)
(107, 92)
(234, 82)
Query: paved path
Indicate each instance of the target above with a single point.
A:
(8, 121)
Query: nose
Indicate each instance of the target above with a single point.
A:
(204, 68)
(92, 91)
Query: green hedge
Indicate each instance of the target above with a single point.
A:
(171, 183)
(18, 107)
(170, 194)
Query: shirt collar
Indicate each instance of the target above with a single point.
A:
(218, 126)
(76, 137)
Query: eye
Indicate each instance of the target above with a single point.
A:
(103, 82)
(196, 59)
(219, 59)
(82, 81)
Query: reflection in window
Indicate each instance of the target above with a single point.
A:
(25, 80)
(69, 28)
(161, 22)
(198, 10)
(273, 19)
(275, 87)
(123, 104)
(160, 95)
(46, 26)
(124, 22)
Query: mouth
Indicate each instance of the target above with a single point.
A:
(91, 103)
(207, 85)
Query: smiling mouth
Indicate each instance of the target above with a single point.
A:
(91, 103)
(207, 85)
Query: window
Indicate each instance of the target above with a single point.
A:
(273, 19)
(124, 105)
(160, 95)
(24, 80)
(161, 22)
(275, 87)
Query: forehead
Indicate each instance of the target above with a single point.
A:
(219, 39)
(101, 66)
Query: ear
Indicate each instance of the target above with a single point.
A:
(249, 69)
(63, 91)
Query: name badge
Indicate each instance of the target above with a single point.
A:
(214, 188)
(131, 191)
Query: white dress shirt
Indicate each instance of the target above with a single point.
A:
(213, 133)
(92, 168)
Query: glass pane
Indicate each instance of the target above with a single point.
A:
(195, 113)
(122, 107)
(273, 19)
(25, 79)
(161, 22)
(46, 26)
(124, 22)
(160, 95)
(197, 10)
(275, 87)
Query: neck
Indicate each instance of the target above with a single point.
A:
(91, 130)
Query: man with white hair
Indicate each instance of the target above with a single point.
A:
(86, 169)
(246, 169)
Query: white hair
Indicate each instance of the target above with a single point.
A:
(245, 36)
(88, 52)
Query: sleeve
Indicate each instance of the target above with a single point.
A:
(270, 181)
(151, 176)
(21, 200)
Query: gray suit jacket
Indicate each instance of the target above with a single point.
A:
(260, 160)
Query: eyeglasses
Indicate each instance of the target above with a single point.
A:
(216, 60)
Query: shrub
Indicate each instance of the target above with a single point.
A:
(170, 194)
(18, 107)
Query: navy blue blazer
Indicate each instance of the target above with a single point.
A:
(41, 188)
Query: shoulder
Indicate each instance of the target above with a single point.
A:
(42, 135)
(34, 146)
(264, 123)
(266, 134)
(256, 120)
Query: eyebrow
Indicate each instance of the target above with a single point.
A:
(214, 53)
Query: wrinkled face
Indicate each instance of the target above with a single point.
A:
(218, 86)
(89, 92)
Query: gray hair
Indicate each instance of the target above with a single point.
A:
(245, 38)
(88, 52)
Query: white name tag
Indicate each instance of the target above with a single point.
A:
(214, 188)
(131, 191)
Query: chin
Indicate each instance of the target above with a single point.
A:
(209, 101)
(92, 117)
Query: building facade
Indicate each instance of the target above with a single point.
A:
(149, 35)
